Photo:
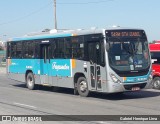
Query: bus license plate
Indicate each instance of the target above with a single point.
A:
(135, 88)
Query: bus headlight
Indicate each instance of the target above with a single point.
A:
(115, 79)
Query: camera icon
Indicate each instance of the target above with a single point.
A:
(6, 118)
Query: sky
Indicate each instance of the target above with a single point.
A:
(20, 17)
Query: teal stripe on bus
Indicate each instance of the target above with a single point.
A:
(56, 67)
(41, 37)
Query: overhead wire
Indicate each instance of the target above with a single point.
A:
(89, 2)
(50, 3)
(27, 15)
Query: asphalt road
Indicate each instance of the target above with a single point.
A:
(16, 99)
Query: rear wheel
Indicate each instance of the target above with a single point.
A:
(82, 87)
(156, 83)
(30, 81)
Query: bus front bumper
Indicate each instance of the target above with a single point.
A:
(122, 87)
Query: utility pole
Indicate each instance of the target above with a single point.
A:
(55, 15)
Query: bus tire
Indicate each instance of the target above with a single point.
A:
(82, 87)
(75, 91)
(156, 83)
(30, 81)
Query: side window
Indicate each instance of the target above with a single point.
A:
(77, 47)
(19, 50)
(8, 50)
(59, 52)
(25, 49)
(28, 49)
(67, 48)
(53, 49)
(13, 50)
(94, 49)
(31, 47)
(37, 50)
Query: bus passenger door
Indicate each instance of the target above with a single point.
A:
(95, 69)
(45, 64)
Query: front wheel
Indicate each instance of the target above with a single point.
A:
(30, 81)
(82, 87)
(156, 83)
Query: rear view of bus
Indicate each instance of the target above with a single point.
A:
(129, 60)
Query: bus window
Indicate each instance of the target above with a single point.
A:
(78, 47)
(67, 48)
(59, 52)
(37, 50)
(9, 50)
(13, 50)
(28, 50)
(19, 50)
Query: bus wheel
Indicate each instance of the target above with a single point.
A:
(82, 87)
(30, 81)
(156, 83)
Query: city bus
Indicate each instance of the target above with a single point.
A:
(111, 60)
(155, 56)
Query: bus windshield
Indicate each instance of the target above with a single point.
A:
(128, 54)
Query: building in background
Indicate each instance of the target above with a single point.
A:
(2, 45)
(155, 41)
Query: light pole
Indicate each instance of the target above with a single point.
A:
(55, 15)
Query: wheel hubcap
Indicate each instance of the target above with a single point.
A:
(30, 81)
(156, 84)
(83, 86)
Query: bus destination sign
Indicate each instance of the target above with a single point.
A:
(124, 33)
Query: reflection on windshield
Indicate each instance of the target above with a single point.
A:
(128, 54)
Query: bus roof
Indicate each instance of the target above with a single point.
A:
(64, 33)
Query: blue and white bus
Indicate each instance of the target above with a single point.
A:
(100, 60)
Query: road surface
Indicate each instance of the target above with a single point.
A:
(16, 99)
